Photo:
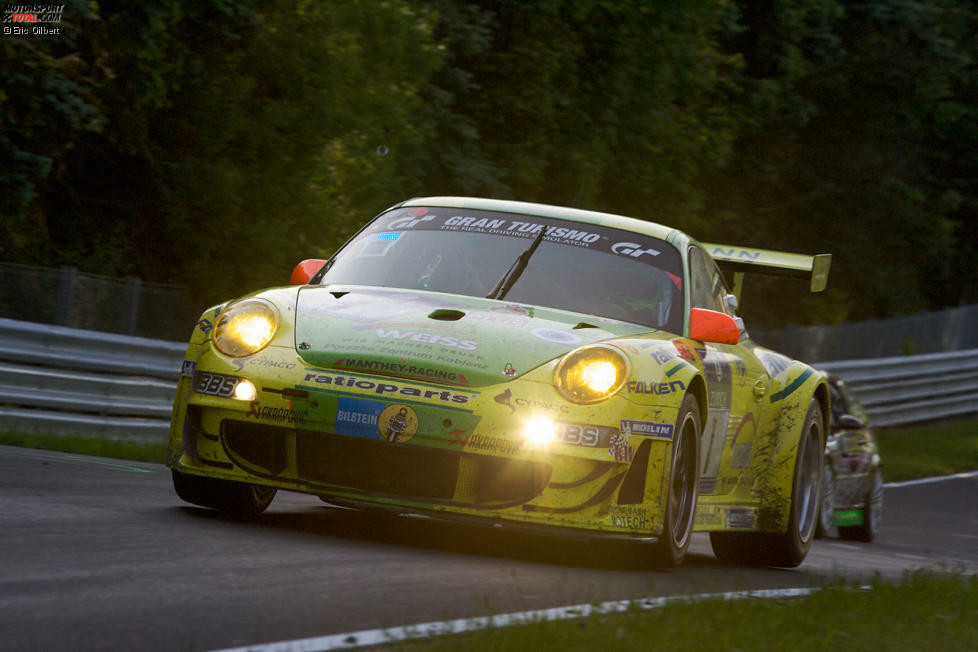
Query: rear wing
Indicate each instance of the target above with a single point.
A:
(762, 261)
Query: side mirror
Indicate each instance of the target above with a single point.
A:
(850, 422)
(306, 270)
(712, 326)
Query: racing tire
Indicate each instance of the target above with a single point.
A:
(827, 504)
(677, 529)
(238, 499)
(872, 514)
(785, 549)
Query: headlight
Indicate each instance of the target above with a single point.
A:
(591, 373)
(245, 328)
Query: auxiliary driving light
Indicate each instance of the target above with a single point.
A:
(245, 390)
(245, 328)
(539, 431)
(591, 373)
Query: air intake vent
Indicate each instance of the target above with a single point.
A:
(443, 314)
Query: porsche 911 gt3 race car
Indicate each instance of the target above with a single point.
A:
(513, 364)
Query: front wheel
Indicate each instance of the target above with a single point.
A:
(677, 528)
(238, 499)
(785, 549)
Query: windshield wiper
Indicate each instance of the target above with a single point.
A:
(513, 274)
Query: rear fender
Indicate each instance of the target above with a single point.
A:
(777, 449)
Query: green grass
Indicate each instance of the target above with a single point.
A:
(922, 612)
(123, 450)
(926, 451)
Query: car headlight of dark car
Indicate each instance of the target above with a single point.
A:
(245, 328)
(591, 373)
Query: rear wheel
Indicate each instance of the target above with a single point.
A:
(785, 549)
(677, 528)
(239, 499)
(872, 514)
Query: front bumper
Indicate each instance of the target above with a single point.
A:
(406, 446)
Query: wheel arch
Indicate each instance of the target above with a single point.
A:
(697, 387)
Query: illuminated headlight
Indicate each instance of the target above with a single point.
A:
(591, 373)
(245, 328)
(539, 431)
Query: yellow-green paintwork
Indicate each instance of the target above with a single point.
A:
(758, 493)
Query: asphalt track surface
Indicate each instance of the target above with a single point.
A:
(100, 554)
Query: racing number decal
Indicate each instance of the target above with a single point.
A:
(719, 383)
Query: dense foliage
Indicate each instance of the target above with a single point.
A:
(214, 143)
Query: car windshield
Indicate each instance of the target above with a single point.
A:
(581, 267)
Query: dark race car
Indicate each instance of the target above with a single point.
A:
(852, 484)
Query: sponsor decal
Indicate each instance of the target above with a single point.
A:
(280, 415)
(397, 423)
(558, 337)
(740, 518)
(205, 326)
(188, 368)
(632, 249)
(582, 434)
(405, 370)
(647, 428)
(498, 226)
(350, 381)
(427, 338)
(541, 405)
(652, 387)
(358, 417)
(509, 371)
(458, 439)
(685, 351)
(631, 517)
(741, 254)
(661, 354)
(214, 384)
(240, 363)
(494, 445)
(503, 399)
(620, 449)
(410, 221)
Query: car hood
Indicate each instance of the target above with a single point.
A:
(439, 338)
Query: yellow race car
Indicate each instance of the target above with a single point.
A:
(513, 364)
